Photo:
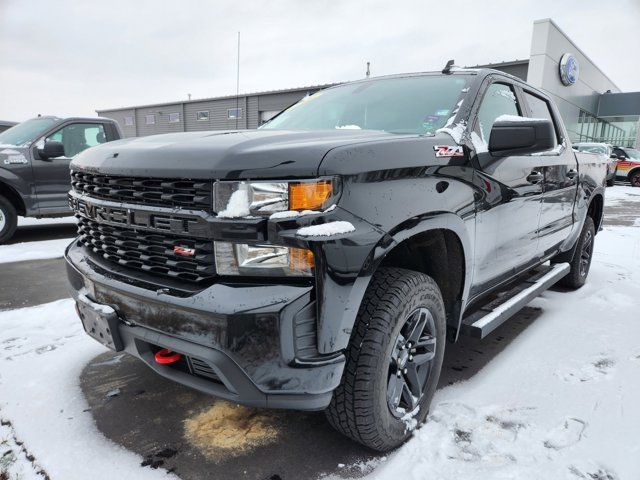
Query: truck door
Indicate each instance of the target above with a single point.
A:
(508, 211)
(560, 180)
(52, 175)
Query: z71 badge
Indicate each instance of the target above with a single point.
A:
(448, 151)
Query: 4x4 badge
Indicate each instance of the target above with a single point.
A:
(448, 151)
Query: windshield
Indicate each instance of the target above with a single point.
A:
(25, 132)
(420, 105)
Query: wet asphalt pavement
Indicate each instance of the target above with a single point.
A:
(146, 414)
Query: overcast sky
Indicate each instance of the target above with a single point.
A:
(71, 57)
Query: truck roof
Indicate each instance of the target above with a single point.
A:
(64, 119)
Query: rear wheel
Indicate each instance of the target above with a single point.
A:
(634, 178)
(393, 360)
(581, 262)
(611, 182)
(8, 219)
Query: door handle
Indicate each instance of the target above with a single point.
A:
(535, 177)
(571, 174)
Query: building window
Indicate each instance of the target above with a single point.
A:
(174, 117)
(128, 121)
(150, 119)
(234, 113)
(202, 115)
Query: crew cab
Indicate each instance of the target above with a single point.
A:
(34, 165)
(322, 261)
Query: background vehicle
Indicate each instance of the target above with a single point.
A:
(606, 152)
(628, 165)
(321, 261)
(6, 125)
(34, 165)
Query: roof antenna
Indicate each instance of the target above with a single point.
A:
(368, 70)
(447, 68)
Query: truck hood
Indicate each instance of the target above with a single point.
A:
(244, 154)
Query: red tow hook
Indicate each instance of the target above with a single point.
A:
(166, 356)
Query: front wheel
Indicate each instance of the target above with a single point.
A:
(394, 360)
(581, 262)
(8, 219)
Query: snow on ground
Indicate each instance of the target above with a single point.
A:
(561, 401)
(42, 352)
(28, 222)
(19, 252)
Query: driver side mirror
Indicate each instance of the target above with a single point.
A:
(521, 136)
(52, 149)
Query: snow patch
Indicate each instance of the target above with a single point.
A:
(518, 118)
(326, 229)
(348, 127)
(238, 205)
(455, 132)
(41, 397)
(20, 252)
(478, 143)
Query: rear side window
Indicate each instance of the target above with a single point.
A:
(540, 109)
(499, 99)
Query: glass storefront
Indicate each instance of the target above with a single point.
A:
(621, 131)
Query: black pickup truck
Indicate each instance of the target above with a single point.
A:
(322, 261)
(34, 165)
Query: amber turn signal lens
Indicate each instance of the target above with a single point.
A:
(309, 195)
(301, 259)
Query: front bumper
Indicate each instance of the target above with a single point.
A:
(247, 343)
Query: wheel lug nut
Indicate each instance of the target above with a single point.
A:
(404, 371)
(398, 373)
(410, 358)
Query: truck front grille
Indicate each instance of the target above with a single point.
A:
(148, 252)
(192, 194)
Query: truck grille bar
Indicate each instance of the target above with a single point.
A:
(148, 252)
(193, 194)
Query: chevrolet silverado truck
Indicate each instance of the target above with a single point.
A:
(34, 165)
(323, 261)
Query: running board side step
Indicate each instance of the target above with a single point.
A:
(486, 319)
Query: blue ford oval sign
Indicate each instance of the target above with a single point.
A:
(569, 69)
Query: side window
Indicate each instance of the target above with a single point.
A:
(619, 152)
(78, 137)
(540, 109)
(499, 99)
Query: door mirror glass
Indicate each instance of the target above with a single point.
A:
(521, 136)
(52, 149)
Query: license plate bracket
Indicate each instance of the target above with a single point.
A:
(100, 322)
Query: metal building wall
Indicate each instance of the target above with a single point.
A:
(548, 44)
(252, 105)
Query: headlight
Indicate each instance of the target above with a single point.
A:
(262, 260)
(243, 199)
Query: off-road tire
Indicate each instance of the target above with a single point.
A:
(359, 407)
(576, 277)
(10, 216)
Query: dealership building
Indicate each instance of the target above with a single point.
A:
(591, 104)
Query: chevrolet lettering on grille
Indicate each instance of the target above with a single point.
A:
(135, 218)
